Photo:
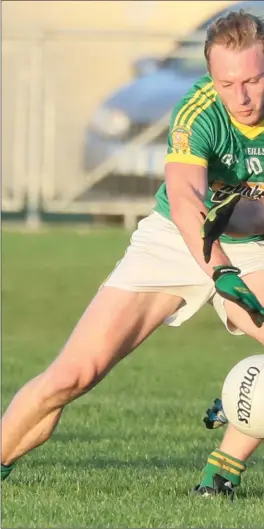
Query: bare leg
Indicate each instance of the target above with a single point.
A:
(224, 467)
(238, 445)
(114, 324)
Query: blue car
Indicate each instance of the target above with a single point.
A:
(127, 136)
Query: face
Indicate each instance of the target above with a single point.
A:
(238, 76)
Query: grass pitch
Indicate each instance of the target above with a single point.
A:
(127, 454)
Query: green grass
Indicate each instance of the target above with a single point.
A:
(127, 454)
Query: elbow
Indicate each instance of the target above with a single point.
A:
(180, 211)
(186, 210)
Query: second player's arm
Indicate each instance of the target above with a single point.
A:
(186, 189)
(247, 218)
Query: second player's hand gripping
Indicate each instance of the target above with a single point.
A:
(185, 197)
(215, 416)
(215, 223)
(230, 286)
(227, 281)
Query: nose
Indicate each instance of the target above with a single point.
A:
(241, 94)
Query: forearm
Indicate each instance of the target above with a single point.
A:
(186, 214)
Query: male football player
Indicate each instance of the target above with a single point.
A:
(176, 261)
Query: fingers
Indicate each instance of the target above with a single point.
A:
(251, 306)
(207, 248)
(228, 208)
(215, 225)
(253, 312)
(257, 318)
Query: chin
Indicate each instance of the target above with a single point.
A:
(249, 120)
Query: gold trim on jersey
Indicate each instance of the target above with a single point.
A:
(197, 94)
(196, 108)
(202, 107)
(250, 132)
(186, 158)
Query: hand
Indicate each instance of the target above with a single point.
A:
(215, 416)
(230, 286)
(215, 223)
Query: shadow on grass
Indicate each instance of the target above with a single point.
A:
(102, 463)
(85, 436)
(80, 437)
(183, 463)
(40, 472)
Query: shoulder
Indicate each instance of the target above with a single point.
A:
(199, 107)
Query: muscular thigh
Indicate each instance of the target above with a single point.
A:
(115, 322)
(239, 317)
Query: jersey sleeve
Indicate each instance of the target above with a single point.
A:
(190, 135)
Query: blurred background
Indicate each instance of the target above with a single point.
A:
(87, 92)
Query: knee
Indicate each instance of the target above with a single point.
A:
(63, 382)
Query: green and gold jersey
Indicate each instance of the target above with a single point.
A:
(203, 133)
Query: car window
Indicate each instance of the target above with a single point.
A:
(189, 53)
(257, 8)
(191, 60)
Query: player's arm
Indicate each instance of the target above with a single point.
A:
(236, 216)
(191, 142)
(185, 196)
(186, 188)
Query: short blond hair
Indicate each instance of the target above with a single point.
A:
(237, 30)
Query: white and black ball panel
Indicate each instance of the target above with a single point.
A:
(243, 396)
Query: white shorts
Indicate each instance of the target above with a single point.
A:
(158, 260)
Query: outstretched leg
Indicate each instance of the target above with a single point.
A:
(114, 324)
